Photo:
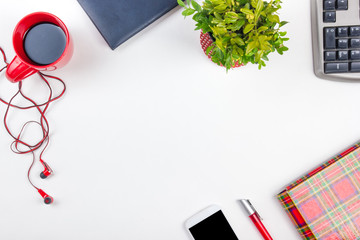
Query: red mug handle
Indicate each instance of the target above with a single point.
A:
(17, 70)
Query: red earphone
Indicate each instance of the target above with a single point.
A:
(44, 174)
(47, 171)
(47, 198)
(18, 142)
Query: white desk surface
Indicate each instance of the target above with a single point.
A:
(151, 133)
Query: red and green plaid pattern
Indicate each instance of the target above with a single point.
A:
(325, 203)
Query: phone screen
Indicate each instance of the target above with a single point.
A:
(213, 227)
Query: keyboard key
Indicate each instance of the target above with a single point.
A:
(342, 43)
(329, 38)
(343, 55)
(342, 31)
(342, 5)
(330, 56)
(355, 67)
(329, 17)
(355, 55)
(354, 31)
(329, 5)
(355, 43)
(336, 67)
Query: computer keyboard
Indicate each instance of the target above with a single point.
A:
(336, 39)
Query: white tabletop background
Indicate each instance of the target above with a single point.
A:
(153, 132)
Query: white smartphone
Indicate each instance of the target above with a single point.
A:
(210, 223)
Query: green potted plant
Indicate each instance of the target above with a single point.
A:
(241, 31)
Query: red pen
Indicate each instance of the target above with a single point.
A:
(255, 218)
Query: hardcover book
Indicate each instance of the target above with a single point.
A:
(325, 203)
(119, 20)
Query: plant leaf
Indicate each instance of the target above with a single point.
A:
(259, 6)
(283, 49)
(220, 8)
(181, 3)
(265, 57)
(282, 23)
(195, 5)
(231, 15)
(253, 3)
(251, 46)
(208, 50)
(218, 16)
(274, 18)
(262, 28)
(248, 28)
(238, 41)
(188, 12)
(237, 25)
(247, 11)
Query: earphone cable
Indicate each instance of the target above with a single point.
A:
(5, 61)
(18, 143)
(29, 170)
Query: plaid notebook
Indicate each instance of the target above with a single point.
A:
(325, 203)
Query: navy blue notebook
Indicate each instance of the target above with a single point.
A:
(119, 20)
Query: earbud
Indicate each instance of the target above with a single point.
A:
(47, 198)
(47, 171)
(44, 174)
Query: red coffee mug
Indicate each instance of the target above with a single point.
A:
(21, 66)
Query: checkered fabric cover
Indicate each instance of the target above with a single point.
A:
(206, 41)
(325, 203)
